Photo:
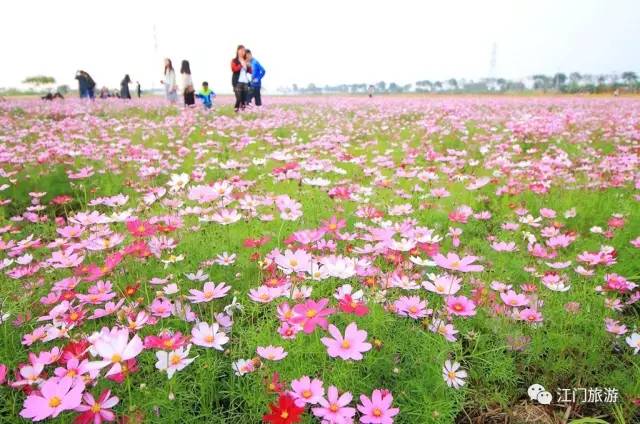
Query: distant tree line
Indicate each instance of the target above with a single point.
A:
(574, 82)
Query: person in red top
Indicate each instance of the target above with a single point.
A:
(240, 69)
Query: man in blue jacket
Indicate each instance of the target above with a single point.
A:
(257, 73)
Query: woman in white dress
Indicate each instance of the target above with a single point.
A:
(169, 81)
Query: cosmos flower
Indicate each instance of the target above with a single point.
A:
(311, 314)
(54, 397)
(377, 409)
(351, 346)
(454, 263)
(453, 375)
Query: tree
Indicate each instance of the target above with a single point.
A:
(541, 82)
(559, 80)
(630, 78)
(39, 80)
(575, 77)
(63, 89)
(453, 84)
(381, 86)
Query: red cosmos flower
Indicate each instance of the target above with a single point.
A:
(349, 305)
(75, 350)
(131, 290)
(275, 385)
(283, 412)
(139, 249)
(139, 228)
(254, 243)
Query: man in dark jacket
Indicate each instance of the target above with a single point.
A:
(257, 73)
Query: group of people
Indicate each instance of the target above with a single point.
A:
(87, 88)
(247, 74)
(246, 80)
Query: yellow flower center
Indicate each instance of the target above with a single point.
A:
(175, 359)
(208, 338)
(293, 262)
(306, 394)
(345, 344)
(311, 313)
(95, 408)
(377, 412)
(333, 407)
(54, 402)
(284, 415)
(116, 358)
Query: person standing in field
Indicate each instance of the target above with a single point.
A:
(240, 70)
(124, 87)
(257, 73)
(138, 89)
(169, 82)
(188, 92)
(86, 85)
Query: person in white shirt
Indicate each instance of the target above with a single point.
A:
(186, 85)
(169, 81)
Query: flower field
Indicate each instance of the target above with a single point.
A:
(320, 260)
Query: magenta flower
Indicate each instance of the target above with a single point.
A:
(334, 408)
(97, 411)
(377, 410)
(351, 346)
(56, 396)
(453, 262)
(3, 373)
(461, 305)
(312, 313)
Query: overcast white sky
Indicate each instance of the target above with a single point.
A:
(325, 42)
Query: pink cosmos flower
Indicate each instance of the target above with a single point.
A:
(461, 305)
(377, 410)
(272, 353)
(209, 292)
(114, 348)
(351, 346)
(56, 396)
(298, 261)
(161, 308)
(208, 336)
(530, 315)
(445, 284)
(312, 313)
(512, 299)
(307, 391)
(411, 306)
(97, 411)
(334, 408)
(453, 262)
(444, 329)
